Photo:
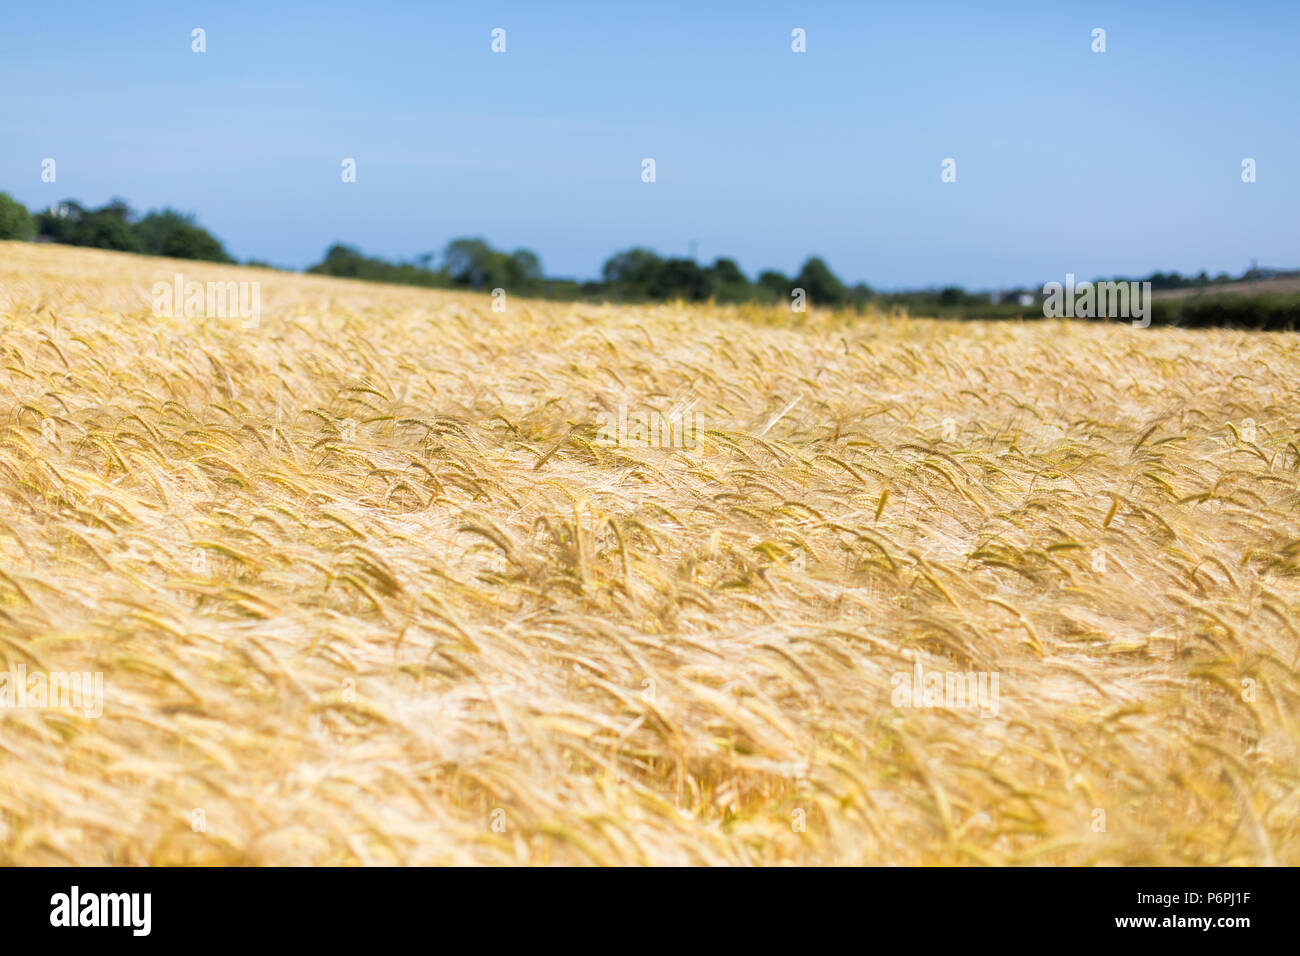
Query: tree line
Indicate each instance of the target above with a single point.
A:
(163, 232)
(633, 275)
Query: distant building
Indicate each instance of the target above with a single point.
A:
(1021, 297)
(1256, 272)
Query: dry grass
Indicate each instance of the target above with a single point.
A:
(617, 647)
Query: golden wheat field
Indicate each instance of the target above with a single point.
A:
(365, 588)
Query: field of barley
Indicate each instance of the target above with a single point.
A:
(365, 588)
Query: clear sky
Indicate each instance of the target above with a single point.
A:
(1121, 162)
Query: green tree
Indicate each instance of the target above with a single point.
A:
(526, 265)
(726, 272)
(860, 295)
(170, 233)
(633, 274)
(108, 227)
(342, 261)
(775, 284)
(728, 282)
(469, 262)
(822, 285)
(15, 221)
(681, 279)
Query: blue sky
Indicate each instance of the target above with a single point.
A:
(1120, 162)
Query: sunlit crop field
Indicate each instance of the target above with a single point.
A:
(366, 586)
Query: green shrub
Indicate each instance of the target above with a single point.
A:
(1264, 312)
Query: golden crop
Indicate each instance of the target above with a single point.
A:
(365, 585)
